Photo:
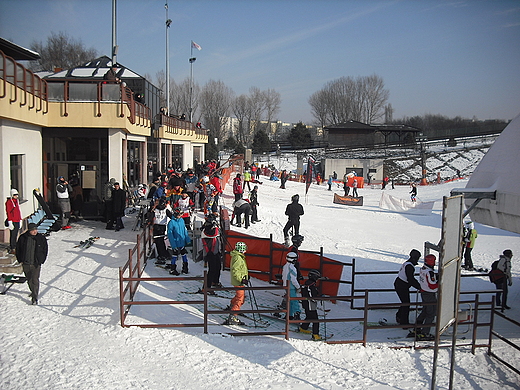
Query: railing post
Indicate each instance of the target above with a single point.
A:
(353, 277)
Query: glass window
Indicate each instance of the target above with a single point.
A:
(16, 162)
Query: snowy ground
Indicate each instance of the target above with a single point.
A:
(73, 339)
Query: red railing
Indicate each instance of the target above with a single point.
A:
(33, 87)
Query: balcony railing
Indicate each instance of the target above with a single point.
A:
(99, 91)
(15, 77)
(178, 126)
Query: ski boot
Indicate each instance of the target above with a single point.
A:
(287, 242)
(317, 337)
(173, 270)
(184, 267)
(233, 320)
(306, 331)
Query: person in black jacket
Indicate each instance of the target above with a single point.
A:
(253, 200)
(118, 205)
(293, 210)
(31, 252)
(406, 279)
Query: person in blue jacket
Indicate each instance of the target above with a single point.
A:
(179, 238)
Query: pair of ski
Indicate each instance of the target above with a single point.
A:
(86, 243)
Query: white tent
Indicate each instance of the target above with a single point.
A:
(499, 171)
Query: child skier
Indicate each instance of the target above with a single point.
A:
(429, 286)
(178, 237)
(290, 274)
(211, 250)
(239, 278)
(309, 290)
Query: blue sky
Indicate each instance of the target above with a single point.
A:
(445, 57)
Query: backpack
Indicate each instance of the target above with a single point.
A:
(496, 275)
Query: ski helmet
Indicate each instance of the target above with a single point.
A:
(430, 260)
(297, 239)
(295, 198)
(205, 179)
(314, 274)
(415, 254)
(241, 247)
(291, 257)
(177, 212)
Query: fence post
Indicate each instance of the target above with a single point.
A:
(353, 277)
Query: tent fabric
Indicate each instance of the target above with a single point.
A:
(499, 170)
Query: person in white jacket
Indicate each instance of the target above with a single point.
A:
(290, 274)
(429, 286)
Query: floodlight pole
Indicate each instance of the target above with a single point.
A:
(192, 60)
(114, 32)
(168, 23)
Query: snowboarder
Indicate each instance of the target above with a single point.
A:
(504, 265)
(63, 189)
(405, 279)
(179, 238)
(293, 210)
(469, 239)
(239, 278)
(31, 252)
(290, 275)
(310, 290)
(429, 285)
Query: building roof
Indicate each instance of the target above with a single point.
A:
(17, 52)
(94, 69)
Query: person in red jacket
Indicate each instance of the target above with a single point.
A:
(237, 187)
(14, 216)
(215, 180)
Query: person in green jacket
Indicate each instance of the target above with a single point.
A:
(469, 239)
(239, 278)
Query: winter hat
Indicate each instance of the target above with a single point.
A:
(508, 253)
(32, 226)
(14, 192)
(415, 254)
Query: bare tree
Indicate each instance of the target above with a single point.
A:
(362, 99)
(215, 100)
(272, 107)
(241, 109)
(61, 51)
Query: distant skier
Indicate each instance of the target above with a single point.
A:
(354, 188)
(413, 193)
(178, 237)
(253, 200)
(293, 210)
(469, 240)
(238, 190)
(405, 279)
(63, 189)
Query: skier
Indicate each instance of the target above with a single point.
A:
(310, 290)
(247, 180)
(290, 274)
(187, 206)
(405, 279)
(469, 239)
(504, 265)
(346, 188)
(63, 189)
(253, 200)
(240, 207)
(413, 193)
(118, 206)
(293, 210)
(178, 237)
(161, 211)
(211, 250)
(239, 278)
(429, 286)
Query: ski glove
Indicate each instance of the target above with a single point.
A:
(245, 281)
(11, 225)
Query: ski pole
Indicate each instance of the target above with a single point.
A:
(325, 318)
(251, 302)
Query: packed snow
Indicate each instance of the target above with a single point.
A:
(73, 338)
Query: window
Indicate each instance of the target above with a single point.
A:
(16, 163)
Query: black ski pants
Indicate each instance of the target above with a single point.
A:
(403, 292)
(428, 312)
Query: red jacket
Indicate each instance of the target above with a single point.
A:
(216, 182)
(237, 186)
(12, 208)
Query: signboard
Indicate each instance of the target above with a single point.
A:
(348, 200)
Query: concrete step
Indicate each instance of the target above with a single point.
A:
(15, 268)
(7, 259)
